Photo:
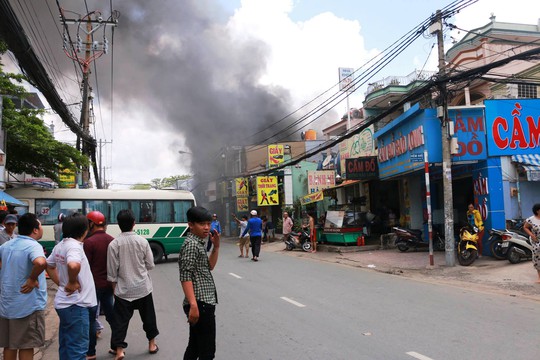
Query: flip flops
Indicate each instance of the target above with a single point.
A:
(154, 351)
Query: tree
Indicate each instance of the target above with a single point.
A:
(168, 182)
(30, 147)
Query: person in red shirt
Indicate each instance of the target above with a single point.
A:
(95, 247)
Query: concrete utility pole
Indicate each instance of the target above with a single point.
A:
(88, 24)
(442, 113)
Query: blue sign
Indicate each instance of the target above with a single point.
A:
(470, 132)
(402, 142)
(513, 126)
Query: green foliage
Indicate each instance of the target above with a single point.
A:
(30, 147)
(161, 183)
(141, 186)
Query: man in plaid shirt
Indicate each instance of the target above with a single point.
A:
(198, 284)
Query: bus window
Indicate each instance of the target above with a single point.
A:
(180, 209)
(97, 205)
(48, 210)
(163, 212)
(143, 211)
(116, 206)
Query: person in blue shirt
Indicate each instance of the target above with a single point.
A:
(23, 293)
(254, 228)
(214, 225)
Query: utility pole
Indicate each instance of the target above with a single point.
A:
(442, 113)
(101, 167)
(87, 24)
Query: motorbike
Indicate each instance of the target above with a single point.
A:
(517, 246)
(497, 238)
(298, 240)
(412, 238)
(467, 248)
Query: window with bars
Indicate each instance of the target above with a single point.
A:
(527, 91)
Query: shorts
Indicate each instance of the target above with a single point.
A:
(244, 242)
(24, 333)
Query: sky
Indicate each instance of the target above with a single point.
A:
(198, 75)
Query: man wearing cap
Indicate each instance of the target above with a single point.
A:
(214, 226)
(254, 227)
(95, 248)
(8, 233)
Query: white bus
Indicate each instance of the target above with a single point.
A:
(160, 215)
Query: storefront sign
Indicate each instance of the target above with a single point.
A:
(241, 186)
(67, 178)
(401, 142)
(346, 77)
(513, 126)
(362, 168)
(311, 198)
(360, 145)
(267, 191)
(275, 155)
(470, 132)
(320, 180)
(242, 204)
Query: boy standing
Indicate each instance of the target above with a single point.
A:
(75, 302)
(198, 285)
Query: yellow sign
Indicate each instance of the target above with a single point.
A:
(241, 187)
(267, 191)
(311, 198)
(67, 178)
(242, 204)
(275, 155)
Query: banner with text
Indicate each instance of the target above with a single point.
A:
(242, 204)
(241, 186)
(311, 198)
(267, 191)
(320, 180)
(275, 155)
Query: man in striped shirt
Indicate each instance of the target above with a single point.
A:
(129, 258)
(198, 284)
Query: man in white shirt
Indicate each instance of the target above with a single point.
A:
(129, 258)
(75, 302)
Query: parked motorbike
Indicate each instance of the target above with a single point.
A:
(517, 246)
(412, 238)
(298, 240)
(496, 239)
(467, 248)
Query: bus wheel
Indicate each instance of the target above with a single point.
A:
(157, 251)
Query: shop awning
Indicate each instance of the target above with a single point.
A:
(10, 200)
(530, 164)
(344, 183)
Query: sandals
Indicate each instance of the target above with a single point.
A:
(154, 351)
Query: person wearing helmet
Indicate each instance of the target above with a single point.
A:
(95, 247)
(57, 228)
(254, 228)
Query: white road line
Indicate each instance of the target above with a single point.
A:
(292, 301)
(236, 276)
(418, 356)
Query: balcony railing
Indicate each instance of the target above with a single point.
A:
(416, 75)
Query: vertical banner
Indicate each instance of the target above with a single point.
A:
(267, 191)
(275, 155)
(346, 77)
(242, 204)
(241, 186)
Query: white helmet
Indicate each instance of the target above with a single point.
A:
(254, 212)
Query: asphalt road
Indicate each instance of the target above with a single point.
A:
(285, 307)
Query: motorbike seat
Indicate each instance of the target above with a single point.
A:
(520, 232)
(415, 231)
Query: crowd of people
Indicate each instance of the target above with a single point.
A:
(94, 271)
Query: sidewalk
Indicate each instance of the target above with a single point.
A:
(486, 273)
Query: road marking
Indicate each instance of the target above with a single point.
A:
(418, 356)
(236, 276)
(292, 301)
